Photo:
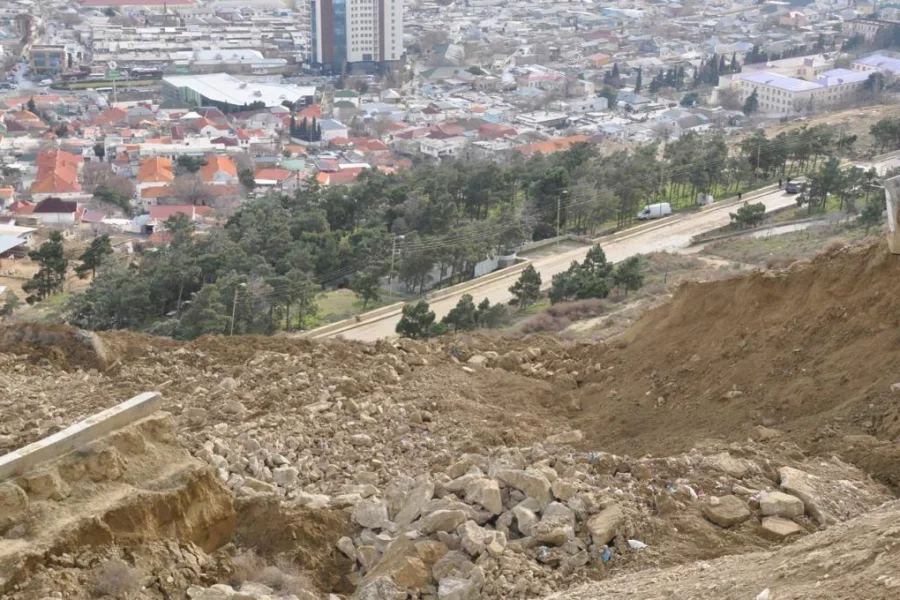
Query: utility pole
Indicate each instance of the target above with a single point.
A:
(391, 274)
(559, 213)
(234, 306)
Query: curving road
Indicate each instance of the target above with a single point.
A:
(668, 234)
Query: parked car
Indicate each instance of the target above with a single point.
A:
(46, 81)
(793, 187)
(655, 211)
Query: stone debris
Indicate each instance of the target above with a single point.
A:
(726, 511)
(778, 528)
(779, 504)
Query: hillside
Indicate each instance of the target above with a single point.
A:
(488, 466)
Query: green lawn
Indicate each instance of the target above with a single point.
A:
(338, 305)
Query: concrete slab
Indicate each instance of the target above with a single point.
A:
(94, 427)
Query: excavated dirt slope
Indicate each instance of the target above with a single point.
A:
(729, 387)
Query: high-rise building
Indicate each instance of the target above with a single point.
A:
(356, 33)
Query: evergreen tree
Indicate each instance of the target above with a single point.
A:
(627, 275)
(416, 321)
(639, 81)
(463, 316)
(99, 248)
(751, 104)
(52, 272)
(528, 288)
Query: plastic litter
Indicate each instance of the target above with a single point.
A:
(606, 556)
(636, 544)
(763, 595)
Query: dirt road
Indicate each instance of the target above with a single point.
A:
(669, 235)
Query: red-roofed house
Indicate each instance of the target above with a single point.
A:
(21, 208)
(282, 179)
(342, 177)
(313, 111)
(219, 170)
(57, 175)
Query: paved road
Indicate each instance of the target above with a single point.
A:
(668, 234)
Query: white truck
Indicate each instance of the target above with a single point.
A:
(655, 211)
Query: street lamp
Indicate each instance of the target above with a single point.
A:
(391, 274)
(559, 212)
(234, 305)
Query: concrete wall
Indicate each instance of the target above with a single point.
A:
(69, 439)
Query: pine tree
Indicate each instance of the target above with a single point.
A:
(639, 81)
(528, 288)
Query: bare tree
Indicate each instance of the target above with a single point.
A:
(191, 189)
(729, 98)
(94, 174)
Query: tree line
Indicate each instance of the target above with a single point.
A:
(433, 224)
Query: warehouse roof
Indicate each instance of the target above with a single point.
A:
(221, 87)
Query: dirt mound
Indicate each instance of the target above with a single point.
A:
(65, 347)
(811, 351)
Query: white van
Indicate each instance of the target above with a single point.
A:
(655, 211)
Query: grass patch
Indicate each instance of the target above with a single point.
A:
(338, 305)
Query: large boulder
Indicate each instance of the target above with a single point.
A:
(370, 514)
(442, 520)
(415, 500)
(532, 483)
(485, 492)
(604, 525)
(806, 487)
(779, 504)
(778, 528)
(726, 511)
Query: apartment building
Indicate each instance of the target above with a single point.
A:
(356, 34)
(780, 95)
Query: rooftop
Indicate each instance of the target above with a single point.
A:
(221, 87)
(780, 82)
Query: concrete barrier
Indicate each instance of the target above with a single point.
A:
(84, 432)
(395, 309)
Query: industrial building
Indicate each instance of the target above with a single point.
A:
(231, 94)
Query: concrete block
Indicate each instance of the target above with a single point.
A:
(84, 432)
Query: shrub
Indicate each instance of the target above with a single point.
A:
(559, 316)
(117, 579)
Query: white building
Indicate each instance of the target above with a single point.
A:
(780, 95)
(364, 33)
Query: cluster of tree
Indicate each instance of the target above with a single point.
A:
(417, 321)
(305, 130)
(595, 277)
(671, 78)
(436, 221)
(758, 55)
(845, 185)
(709, 70)
(886, 133)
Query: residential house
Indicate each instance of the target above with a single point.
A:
(56, 211)
(332, 129)
(57, 175)
(285, 181)
(219, 170)
(154, 173)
